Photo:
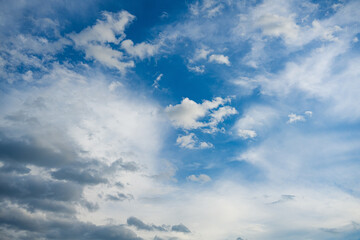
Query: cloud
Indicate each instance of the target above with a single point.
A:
(219, 58)
(255, 119)
(295, 118)
(140, 225)
(245, 134)
(201, 54)
(190, 141)
(284, 198)
(202, 178)
(59, 152)
(37, 226)
(35, 192)
(187, 114)
(157, 80)
(91, 177)
(140, 50)
(108, 30)
(119, 197)
(96, 42)
(308, 113)
(197, 69)
(180, 228)
(107, 56)
(275, 25)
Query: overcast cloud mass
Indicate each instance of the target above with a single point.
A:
(180, 120)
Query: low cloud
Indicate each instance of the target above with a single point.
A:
(220, 59)
(202, 178)
(190, 141)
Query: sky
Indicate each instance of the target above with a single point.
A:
(180, 120)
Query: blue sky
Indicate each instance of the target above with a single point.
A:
(232, 120)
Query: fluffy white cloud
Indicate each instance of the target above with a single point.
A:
(187, 114)
(140, 50)
(201, 54)
(109, 30)
(219, 58)
(108, 57)
(202, 178)
(245, 134)
(94, 40)
(190, 141)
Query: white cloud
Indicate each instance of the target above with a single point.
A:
(140, 50)
(198, 69)
(109, 30)
(218, 116)
(201, 54)
(202, 178)
(94, 40)
(190, 141)
(245, 134)
(157, 80)
(114, 85)
(295, 118)
(219, 58)
(255, 119)
(275, 25)
(186, 114)
(308, 113)
(108, 57)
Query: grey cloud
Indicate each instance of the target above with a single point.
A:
(119, 197)
(14, 168)
(133, 221)
(92, 207)
(37, 193)
(121, 165)
(28, 152)
(180, 228)
(284, 198)
(140, 225)
(79, 176)
(66, 228)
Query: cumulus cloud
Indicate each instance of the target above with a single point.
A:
(190, 141)
(220, 59)
(187, 114)
(96, 42)
(201, 54)
(108, 30)
(202, 178)
(140, 50)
